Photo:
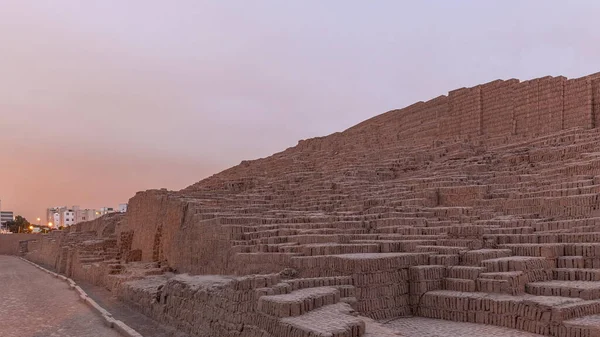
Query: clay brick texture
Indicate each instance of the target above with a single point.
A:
(480, 207)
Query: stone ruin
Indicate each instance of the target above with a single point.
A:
(481, 206)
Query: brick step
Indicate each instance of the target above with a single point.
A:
(442, 250)
(538, 314)
(330, 320)
(511, 282)
(393, 246)
(444, 259)
(582, 326)
(576, 274)
(92, 259)
(587, 290)
(471, 244)
(548, 250)
(459, 284)
(335, 249)
(465, 272)
(303, 283)
(298, 302)
(516, 263)
(475, 257)
(570, 262)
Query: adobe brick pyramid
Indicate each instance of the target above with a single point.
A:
(481, 206)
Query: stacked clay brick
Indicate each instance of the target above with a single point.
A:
(87, 251)
(497, 104)
(248, 306)
(541, 315)
(480, 206)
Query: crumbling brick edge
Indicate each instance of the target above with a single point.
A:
(106, 316)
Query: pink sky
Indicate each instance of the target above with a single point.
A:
(101, 99)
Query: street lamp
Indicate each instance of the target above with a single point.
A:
(50, 224)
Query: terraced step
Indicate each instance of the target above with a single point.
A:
(459, 284)
(516, 263)
(570, 262)
(91, 259)
(303, 283)
(582, 326)
(442, 250)
(510, 282)
(538, 314)
(298, 302)
(335, 249)
(576, 274)
(474, 257)
(465, 272)
(330, 320)
(587, 290)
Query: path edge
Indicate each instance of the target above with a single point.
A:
(106, 316)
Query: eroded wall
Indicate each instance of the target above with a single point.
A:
(527, 109)
(165, 228)
(155, 219)
(9, 243)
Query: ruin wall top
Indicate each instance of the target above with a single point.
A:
(501, 108)
(494, 113)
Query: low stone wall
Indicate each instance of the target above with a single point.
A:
(10, 243)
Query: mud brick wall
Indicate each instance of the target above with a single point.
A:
(498, 107)
(227, 306)
(46, 249)
(420, 121)
(147, 212)
(103, 226)
(464, 107)
(57, 249)
(526, 107)
(550, 104)
(510, 312)
(257, 263)
(412, 124)
(125, 243)
(168, 230)
(202, 247)
(381, 280)
(596, 101)
(578, 103)
(423, 279)
(91, 273)
(9, 244)
(461, 195)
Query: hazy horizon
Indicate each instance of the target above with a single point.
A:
(101, 100)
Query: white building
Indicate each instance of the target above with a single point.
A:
(6, 216)
(106, 210)
(63, 216)
(68, 218)
(122, 208)
(55, 220)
